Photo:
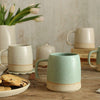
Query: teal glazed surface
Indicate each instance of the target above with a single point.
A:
(64, 68)
(98, 56)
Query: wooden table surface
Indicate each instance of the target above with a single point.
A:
(38, 90)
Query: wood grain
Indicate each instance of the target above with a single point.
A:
(38, 90)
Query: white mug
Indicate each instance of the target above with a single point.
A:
(20, 58)
(84, 38)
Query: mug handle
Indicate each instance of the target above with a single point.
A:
(2, 51)
(68, 41)
(36, 66)
(89, 55)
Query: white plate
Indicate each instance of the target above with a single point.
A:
(17, 73)
(14, 91)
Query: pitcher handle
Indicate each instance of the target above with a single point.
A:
(1, 52)
(89, 55)
(36, 66)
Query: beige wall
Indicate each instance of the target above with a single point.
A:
(61, 16)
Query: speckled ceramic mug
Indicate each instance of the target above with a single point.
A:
(63, 73)
(20, 58)
(84, 38)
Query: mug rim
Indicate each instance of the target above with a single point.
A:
(61, 54)
(19, 45)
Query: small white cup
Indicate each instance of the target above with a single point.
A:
(20, 58)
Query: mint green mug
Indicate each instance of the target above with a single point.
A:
(97, 66)
(63, 72)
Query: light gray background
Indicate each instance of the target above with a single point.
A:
(61, 16)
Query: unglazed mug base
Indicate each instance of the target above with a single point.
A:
(63, 87)
(84, 45)
(9, 71)
(20, 68)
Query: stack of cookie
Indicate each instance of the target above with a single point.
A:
(8, 82)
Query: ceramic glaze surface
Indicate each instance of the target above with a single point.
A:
(64, 68)
(98, 56)
(44, 51)
(7, 36)
(84, 38)
(84, 35)
(20, 58)
(20, 55)
(97, 66)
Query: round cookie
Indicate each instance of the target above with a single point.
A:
(13, 80)
(6, 84)
(0, 81)
(2, 88)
